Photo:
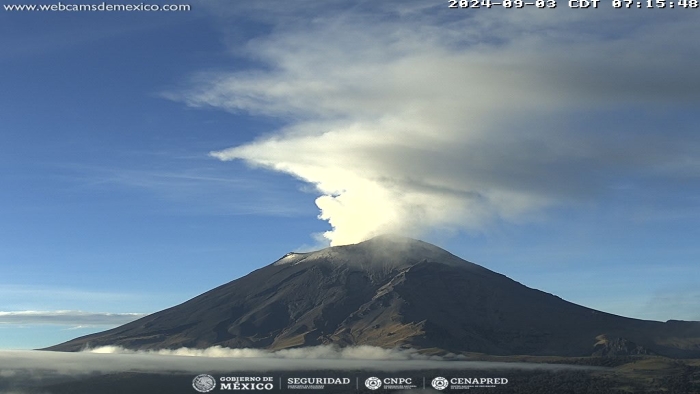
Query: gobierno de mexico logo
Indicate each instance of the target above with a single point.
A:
(204, 383)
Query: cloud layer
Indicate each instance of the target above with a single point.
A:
(456, 121)
(114, 359)
(322, 352)
(72, 318)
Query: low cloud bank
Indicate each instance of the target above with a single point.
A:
(114, 359)
(327, 357)
(323, 352)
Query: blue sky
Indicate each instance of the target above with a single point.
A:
(148, 157)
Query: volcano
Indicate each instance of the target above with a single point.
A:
(393, 292)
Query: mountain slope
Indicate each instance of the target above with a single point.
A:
(392, 291)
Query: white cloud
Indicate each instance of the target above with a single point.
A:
(432, 121)
(115, 360)
(70, 318)
(363, 352)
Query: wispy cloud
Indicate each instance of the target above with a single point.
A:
(28, 297)
(199, 190)
(68, 318)
(678, 302)
(437, 120)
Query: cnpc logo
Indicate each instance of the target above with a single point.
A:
(374, 383)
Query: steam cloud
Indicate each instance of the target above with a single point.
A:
(423, 121)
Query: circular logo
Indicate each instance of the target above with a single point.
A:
(204, 383)
(440, 383)
(373, 383)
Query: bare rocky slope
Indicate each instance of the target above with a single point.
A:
(393, 291)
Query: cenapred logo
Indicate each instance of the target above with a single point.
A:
(462, 383)
(440, 383)
(204, 383)
(373, 383)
